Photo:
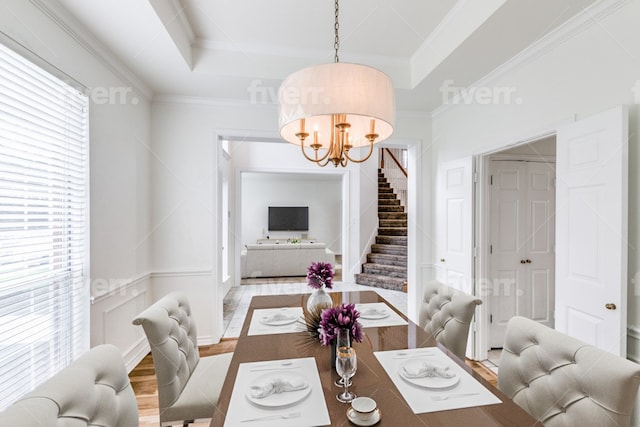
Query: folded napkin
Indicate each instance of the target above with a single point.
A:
(428, 370)
(278, 317)
(373, 312)
(277, 385)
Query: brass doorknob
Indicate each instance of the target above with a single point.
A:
(442, 260)
(528, 261)
(523, 261)
(610, 306)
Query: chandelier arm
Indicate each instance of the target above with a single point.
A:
(323, 164)
(346, 154)
(316, 160)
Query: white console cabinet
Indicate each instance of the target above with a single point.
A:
(282, 259)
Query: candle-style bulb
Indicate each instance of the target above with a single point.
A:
(372, 126)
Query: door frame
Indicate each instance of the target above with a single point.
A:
(482, 235)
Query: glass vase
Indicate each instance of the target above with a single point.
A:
(319, 298)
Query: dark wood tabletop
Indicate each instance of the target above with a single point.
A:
(371, 379)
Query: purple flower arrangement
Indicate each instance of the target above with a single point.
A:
(333, 319)
(320, 274)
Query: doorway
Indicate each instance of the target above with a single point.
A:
(520, 261)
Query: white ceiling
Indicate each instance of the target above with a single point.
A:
(220, 48)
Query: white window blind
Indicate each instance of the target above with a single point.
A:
(44, 301)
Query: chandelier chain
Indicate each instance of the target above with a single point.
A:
(336, 43)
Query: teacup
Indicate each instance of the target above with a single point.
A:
(364, 408)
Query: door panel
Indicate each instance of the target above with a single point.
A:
(592, 158)
(522, 239)
(454, 224)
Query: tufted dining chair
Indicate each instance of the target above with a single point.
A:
(93, 391)
(188, 385)
(445, 314)
(562, 381)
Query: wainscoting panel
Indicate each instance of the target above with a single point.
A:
(205, 294)
(111, 316)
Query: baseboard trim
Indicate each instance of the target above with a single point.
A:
(134, 355)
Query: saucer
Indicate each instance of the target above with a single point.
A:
(353, 417)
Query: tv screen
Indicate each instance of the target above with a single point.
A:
(288, 218)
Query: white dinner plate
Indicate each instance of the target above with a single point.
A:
(278, 400)
(278, 319)
(426, 382)
(374, 313)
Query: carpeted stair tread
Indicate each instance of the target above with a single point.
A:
(387, 259)
(392, 283)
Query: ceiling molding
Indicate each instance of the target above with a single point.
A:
(183, 21)
(77, 31)
(236, 103)
(172, 17)
(462, 21)
(214, 102)
(318, 55)
(572, 28)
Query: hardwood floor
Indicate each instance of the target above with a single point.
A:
(143, 380)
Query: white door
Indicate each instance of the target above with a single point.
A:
(522, 243)
(454, 218)
(591, 230)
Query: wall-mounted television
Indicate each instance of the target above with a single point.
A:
(288, 218)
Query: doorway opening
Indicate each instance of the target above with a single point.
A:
(516, 239)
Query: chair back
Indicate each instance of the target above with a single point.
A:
(93, 391)
(562, 381)
(445, 314)
(171, 332)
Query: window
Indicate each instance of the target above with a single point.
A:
(44, 302)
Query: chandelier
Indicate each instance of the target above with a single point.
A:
(336, 107)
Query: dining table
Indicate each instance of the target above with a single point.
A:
(371, 379)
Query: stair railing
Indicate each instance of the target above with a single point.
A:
(395, 172)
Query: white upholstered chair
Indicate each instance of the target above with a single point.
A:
(93, 391)
(445, 314)
(188, 385)
(562, 381)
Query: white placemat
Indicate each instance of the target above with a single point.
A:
(465, 393)
(310, 411)
(378, 315)
(281, 320)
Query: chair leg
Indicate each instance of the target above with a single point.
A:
(187, 422)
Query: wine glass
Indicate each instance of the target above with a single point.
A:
(346, 365)
(343, 339)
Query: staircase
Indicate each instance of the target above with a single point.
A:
(386, 265)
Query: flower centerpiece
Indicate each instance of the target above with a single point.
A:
(344, 316)
(319, 276)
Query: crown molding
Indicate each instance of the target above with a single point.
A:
(570, 29)
(214, 102)
(78, 32)
(238, 103)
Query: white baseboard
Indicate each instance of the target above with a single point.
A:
(136, 353)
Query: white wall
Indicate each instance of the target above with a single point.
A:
(594, 70)
(322, 193)
(119, 172)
